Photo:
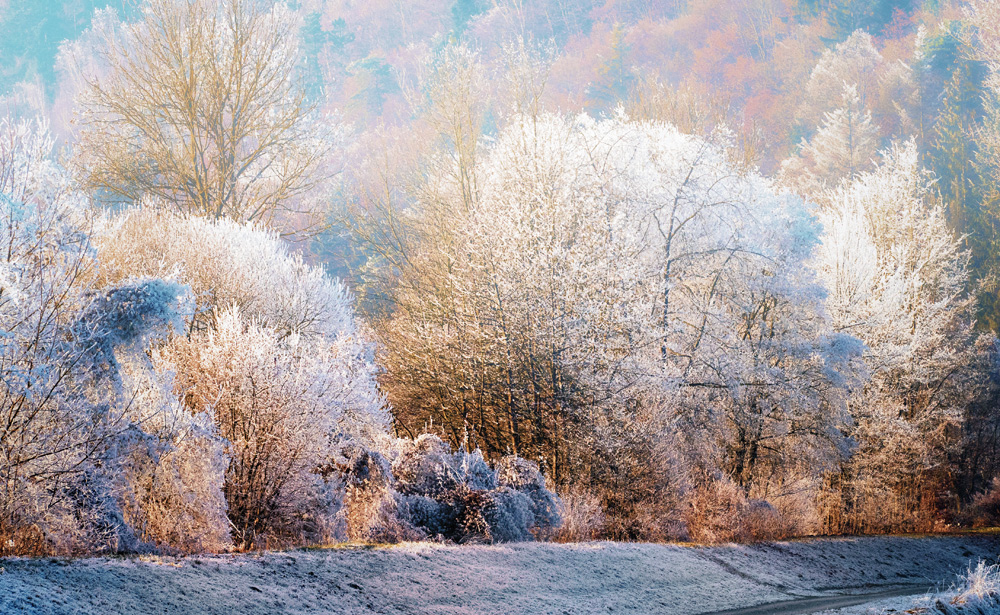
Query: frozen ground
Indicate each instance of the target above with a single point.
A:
(511, 579)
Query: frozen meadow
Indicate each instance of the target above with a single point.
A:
(533, 578)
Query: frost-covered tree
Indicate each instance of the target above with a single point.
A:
(853, 84)
(73, 376)
(898, 280)
(197, 104)
(843, 146)
(854, 62)
(617, 289)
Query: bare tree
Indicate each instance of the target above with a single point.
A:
(198, 105)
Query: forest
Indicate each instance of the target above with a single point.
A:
(296, 273)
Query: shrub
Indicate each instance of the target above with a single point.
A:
(372, 505)
(523, 475)
(271, 354)
(719, 511)
(508, 516)
(430, 492)
(281, 403)
(985, 508)
(582, 516)
(226, 263)
(426, 467)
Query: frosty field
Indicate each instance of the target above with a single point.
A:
(522, 578)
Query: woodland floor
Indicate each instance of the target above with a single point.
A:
(793, 577)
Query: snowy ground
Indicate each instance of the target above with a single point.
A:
(511, 579)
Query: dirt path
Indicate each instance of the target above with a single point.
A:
(815, 604)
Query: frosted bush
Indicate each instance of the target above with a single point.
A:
(226, 263)
(371, 504)
(977, 593)
(436, 519)
(985, 508)
(523, 475)
(720, 511)
(582, 516)
(426, 468)
(508, 515)
(474, 471)
(248, 267)
(430, 492)
(81, 426)
(186, 506)
(281, 403)
(271, 353)
(173, 486)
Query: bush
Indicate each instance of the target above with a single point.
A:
(430, 492)
(985, 508)
(509, 517)
(720, 511)
(582, 516)
(372, 506)
(523, 475)
(426, 467)
(271, 354)
(134, 438)
(281, 403)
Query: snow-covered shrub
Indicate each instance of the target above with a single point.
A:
(280, 402)
(272, 354)
(426, 468)
(371, 506)
(178, 493)
(523, 476)
(109, 429)
(173, 482)
(582, 516)
(720, 511)
(226, 263)
(70, 418)
(248, 267)
(430, 492)
(472, 502)
(474, 471)
(143, 422)
(509, 516)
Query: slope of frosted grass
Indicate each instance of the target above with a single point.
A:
(513, 579)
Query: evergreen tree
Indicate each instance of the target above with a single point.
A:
(953, 90)
(845, 143)
(843, 146)
(846, 16)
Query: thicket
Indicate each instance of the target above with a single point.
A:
(176, 383)
(704, 351)
(620, 307)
